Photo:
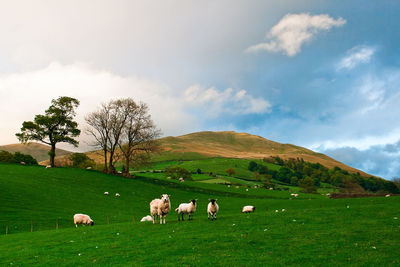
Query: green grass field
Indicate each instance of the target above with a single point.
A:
(313, 231)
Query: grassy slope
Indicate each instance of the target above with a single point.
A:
(36, 150)
(317, 232)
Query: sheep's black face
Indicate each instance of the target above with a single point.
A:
(92, 223)
(193, 201)
(254, 208)
(213, 201)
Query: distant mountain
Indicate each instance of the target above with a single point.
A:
(36, 150)
(231, 144)
(228, 144)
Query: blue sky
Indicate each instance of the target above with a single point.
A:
(319, 74)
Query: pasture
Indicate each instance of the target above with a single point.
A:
(312, 231)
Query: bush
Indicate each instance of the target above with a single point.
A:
(230, 171)
(307, 185)
(5, 156)
(28, 159)
(176, 172)
(81, 160)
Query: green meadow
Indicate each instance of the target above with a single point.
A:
(313, 230)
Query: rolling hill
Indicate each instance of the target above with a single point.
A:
(228, 144)
(36, 150)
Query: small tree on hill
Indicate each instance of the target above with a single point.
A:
(307, 185)
(81, 160)
(55, 126)
(176, 172)
(5, 156)
(230, 171)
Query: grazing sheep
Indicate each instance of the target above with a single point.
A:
(248, 209)
(147, 218)
(22, 163)
(181, 180)
(388, 195)
(247, 189)
(117, 195)
(294, 195)
(160, 207)
(82, 219)
(106, 193)
(48, 166)
(186, 208)
(89, 168)
(212, 209)
(271, 188)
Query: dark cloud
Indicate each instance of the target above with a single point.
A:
(380, 160)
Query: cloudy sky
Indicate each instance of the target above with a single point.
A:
(319, 74)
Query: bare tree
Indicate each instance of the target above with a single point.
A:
(138, 136)
(100, 129)
(125, 125)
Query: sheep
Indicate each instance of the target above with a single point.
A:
(160, 207)
(82, 219)
(388, 195)
(117, 195)
(106, 193)
(212, 209)
(181, 180)
(186, 208)
(248, 209)
(48, 166)
(294, 195)
(88, 168)
(22, 163)
(147, 218)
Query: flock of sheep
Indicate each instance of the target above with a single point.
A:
(160, 207)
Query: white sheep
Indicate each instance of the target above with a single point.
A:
(294, 195)
(48, 166)
(147, 218)
(88, 168)
(22, 163)
(248, 209)
(106, 193)
(212, 209)
(186, 208)
(181, 180)
(388, 195)
(117, 195)
(82, 219)
(160, 207)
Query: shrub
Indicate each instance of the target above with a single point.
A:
(81, 160)
(5, 156)
(307, 185)
(28, 159)
(176, 172)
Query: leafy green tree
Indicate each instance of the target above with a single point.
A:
(307, 185)
(198, 171)
(252, 166)
(55, 126)
(81, 160)
(27, 159)
(5, 156)
(176, 172)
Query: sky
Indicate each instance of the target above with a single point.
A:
(320, 74)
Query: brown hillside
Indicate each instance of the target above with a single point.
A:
(243, 145)
(230, 144)
(36, 150)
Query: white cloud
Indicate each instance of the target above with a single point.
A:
(22, 95)
(293, 30)
(215, 101)
(355, 56)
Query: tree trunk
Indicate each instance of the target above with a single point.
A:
(126, 170)
(111, 168)
(105, 161)
(52, 154)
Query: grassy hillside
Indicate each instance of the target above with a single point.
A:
(313, 230)
(36, 150)
(203, 145)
